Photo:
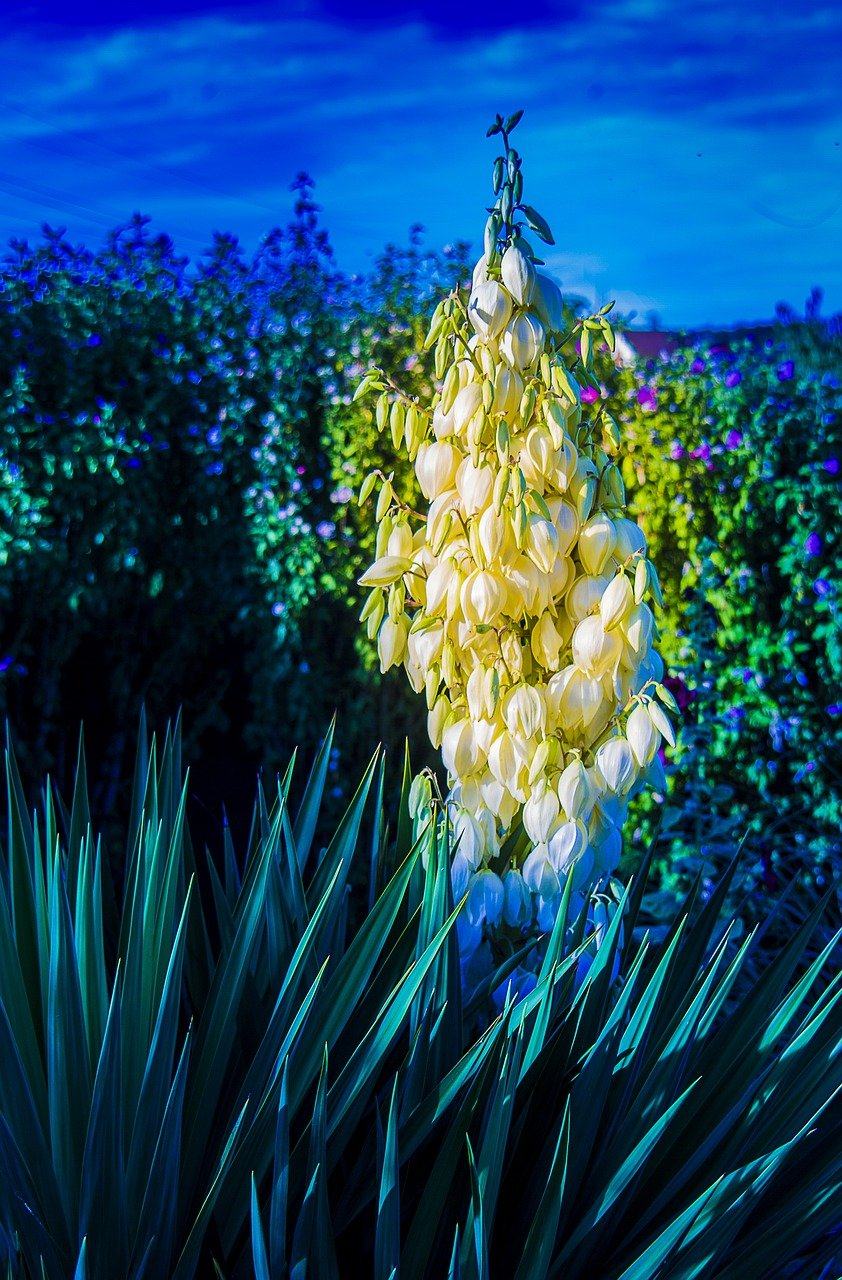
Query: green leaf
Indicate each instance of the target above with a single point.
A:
(387, 1238)
(538, 224)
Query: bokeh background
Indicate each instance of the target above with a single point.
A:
(216, 215)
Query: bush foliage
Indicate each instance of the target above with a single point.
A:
(735, 477)
(158, 543)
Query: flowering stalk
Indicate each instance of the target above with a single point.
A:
(519, 602)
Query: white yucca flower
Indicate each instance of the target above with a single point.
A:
(519, 603)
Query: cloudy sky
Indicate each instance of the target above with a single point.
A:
(688, 156)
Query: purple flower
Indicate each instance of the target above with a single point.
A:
(835, 709)
(6, 662)
(813, 545)
(677, 451)
(734, 378)
(325, 528)
(278, 608)
(94, 340)
(733, 440)
(647, 398)
(786, 370)
(831, 466)
(822, 588)
(698, 365)
(589, 394)
(703, 452)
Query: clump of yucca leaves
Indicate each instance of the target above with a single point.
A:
(230, 1066)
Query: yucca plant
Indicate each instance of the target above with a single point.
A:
(246, 1066)
(147, 1030)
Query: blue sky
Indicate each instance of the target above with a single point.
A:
(688, 156)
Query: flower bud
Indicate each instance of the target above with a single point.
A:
(539, 874)
(642, 735)
(597, 540)
(492, 531)
(617, 601)
(546, 642)
(522, 340)
(541, 542)
(524, 711)
(518, 275)
(540, 813)
(567, 843)
(575, 792)
(425, 646)
(615, 763)
(459, 748)
(638, 628)
(508, 389)
(400, 541)
(489, 309)
(595, 650)
(547, 301)
(466, 406)
(391, 642)
(437, 720)
(435, 467)
(482, 597)
(485, 898)
(517, 903)
(630, 539)
(384, 571)
(475, 486)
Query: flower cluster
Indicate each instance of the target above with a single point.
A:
(519, 603)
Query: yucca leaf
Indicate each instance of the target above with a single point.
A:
(80, 821)
(186, 1265)
(13, 995)
(68, 1067)
(259, 1257)
(155, 1090)
(475, 1260)
(341, 848)
(81, 1271)
(33, 1229)
(378, 836)
(363, 1063)
(18, 1108)
(217, 1027)
(280, 1183)
(102, 1162)
(648, 1264)
(156, 1215)
(387, 1238)
(90, 943)
(437, 1193)
(541, 1237)
(349, 979)
(20, 857)
(308, 812)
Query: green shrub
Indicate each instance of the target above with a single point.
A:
(158, 543)
(735, 477)
(233, 1067)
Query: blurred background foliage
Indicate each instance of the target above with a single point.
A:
(179, 456)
